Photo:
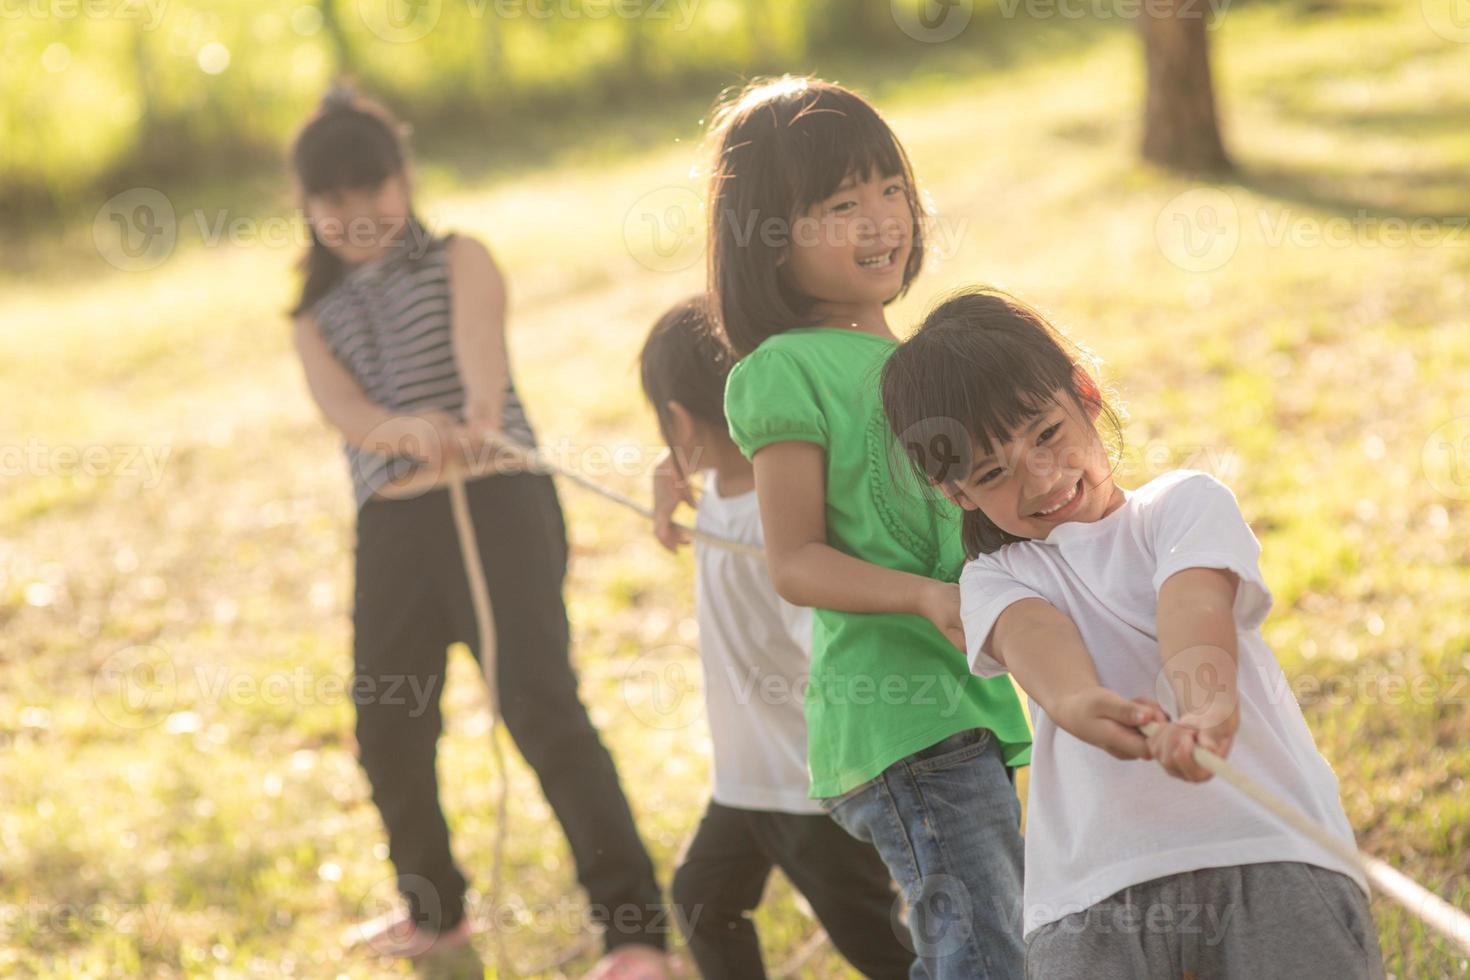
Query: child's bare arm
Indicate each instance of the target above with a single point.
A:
(1199, 654)
(1041, 647)
(477, 329)
(363, 422)
(790, 482)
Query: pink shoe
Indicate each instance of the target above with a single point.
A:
(396, 934)
(632, 961)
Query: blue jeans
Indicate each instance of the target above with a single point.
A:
(947, 824)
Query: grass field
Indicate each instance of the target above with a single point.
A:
(175, 520)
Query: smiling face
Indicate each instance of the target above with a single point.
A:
(1054, 469)
(850, 249)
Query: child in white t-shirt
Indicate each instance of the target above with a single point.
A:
(1085, 591)
(755, 649)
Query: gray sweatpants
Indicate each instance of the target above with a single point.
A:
(1245, 922)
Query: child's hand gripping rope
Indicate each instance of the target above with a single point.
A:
(1168, 740)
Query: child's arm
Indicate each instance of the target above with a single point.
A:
(1197, 645)
(790, 484)
(363, 422)
(477, 300)
(1042, 649)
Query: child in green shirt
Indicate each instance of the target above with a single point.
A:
(815, 225)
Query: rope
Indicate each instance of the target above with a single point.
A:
(1420, 902)
(453, 475)
(532, 459)
(1423, 904)
(469, 549)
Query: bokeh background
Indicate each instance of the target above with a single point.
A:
(1264, 236)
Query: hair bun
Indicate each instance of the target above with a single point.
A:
(341, 95)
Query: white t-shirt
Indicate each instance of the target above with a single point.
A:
(1096, 824)
(756, 652)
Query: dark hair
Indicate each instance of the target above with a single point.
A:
(683, 361)
(351, 143)
(981, 364)
(781, 146)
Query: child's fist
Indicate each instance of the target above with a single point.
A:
(670, 488)
(1173, 743)
(1108, 720)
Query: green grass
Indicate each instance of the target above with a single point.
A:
(221, 829)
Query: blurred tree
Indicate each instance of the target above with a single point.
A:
(343, 62)
(1181, 130)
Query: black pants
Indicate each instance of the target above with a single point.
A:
(412, 601)
(720, 881)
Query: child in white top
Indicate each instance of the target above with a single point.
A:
(755, 649)
(1085, 591)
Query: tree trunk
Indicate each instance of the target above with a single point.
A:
(1180, 127)
(343, 62)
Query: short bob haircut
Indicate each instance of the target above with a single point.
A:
(782, 145)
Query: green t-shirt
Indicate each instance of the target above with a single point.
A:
(883, 685)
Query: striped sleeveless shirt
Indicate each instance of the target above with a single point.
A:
(388, 323)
